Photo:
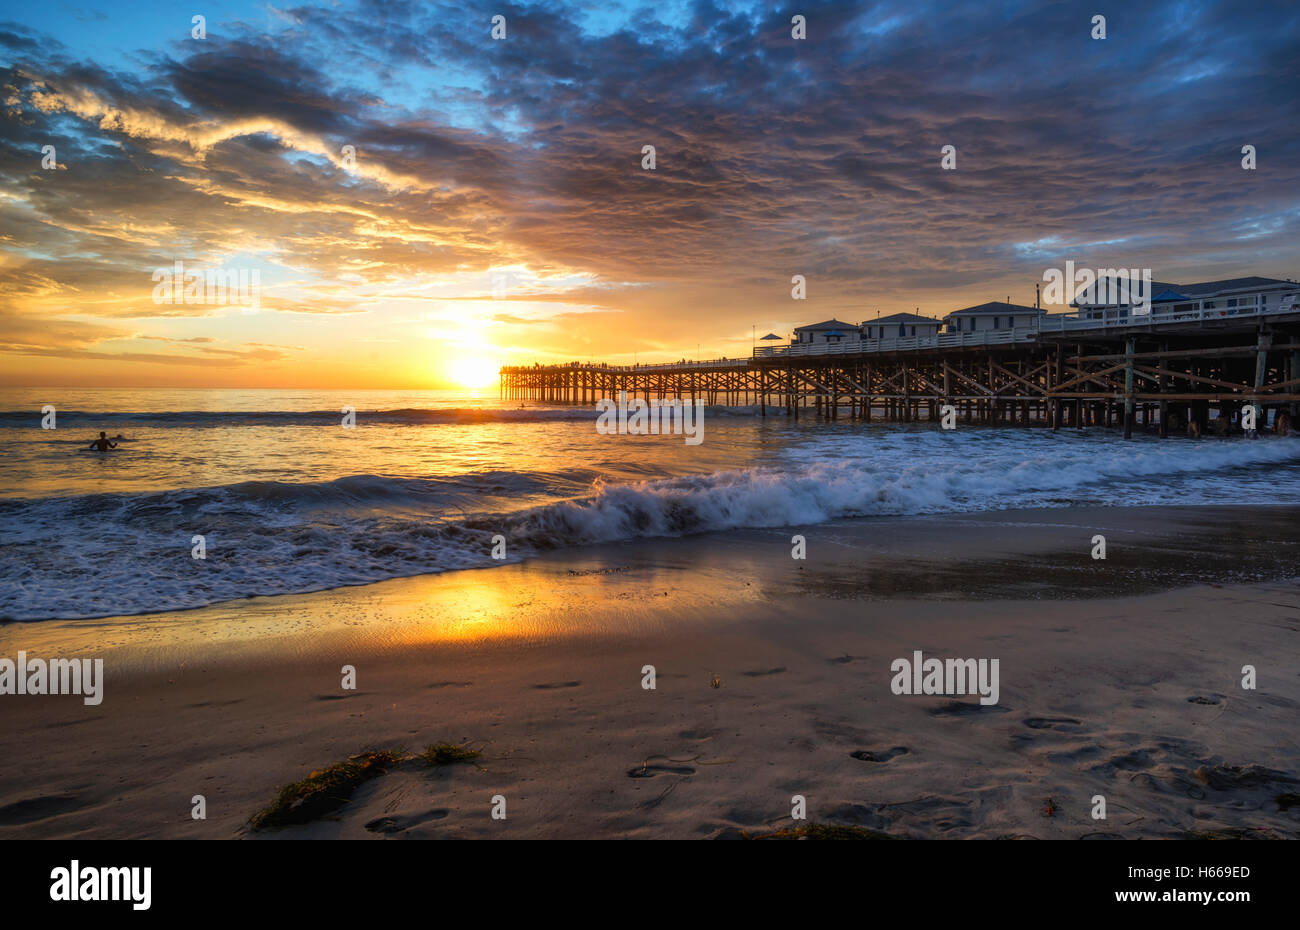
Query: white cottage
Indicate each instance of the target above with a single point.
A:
(831, 332)
(995, 315)
(1226, 297)
(900, 326)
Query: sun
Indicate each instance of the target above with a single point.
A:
(474, 372)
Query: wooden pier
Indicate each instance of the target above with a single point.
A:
(1192, 373)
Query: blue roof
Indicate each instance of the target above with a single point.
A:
(1168, 294)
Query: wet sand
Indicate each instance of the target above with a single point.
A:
(1119, 678)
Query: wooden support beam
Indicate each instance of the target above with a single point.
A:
(960, 377)
(1199, 379)
(1131, 347)
(1088, 376)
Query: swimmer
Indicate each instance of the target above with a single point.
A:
(102, 444)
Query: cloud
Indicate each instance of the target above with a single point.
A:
(774, 157)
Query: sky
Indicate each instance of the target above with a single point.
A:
(494, 207)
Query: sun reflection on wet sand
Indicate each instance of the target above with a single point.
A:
(621, 591)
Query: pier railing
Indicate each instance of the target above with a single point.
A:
(900, 344)
(653, 366)
(1122, 317)
(670, 366)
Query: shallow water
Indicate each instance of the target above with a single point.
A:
(288, 500)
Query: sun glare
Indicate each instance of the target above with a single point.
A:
(474, 372)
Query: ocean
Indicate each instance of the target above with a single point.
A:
(286, 499)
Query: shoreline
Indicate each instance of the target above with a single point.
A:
(1201, 521)
(1114, 681)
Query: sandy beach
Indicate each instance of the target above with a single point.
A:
(1119, 678)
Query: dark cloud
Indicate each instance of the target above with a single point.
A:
(775, 156)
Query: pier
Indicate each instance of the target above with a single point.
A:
(1194, 371)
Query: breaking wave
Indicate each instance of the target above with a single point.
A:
(109, 554)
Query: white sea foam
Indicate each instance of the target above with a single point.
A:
(104, 554)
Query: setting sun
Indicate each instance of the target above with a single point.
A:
(474, 372)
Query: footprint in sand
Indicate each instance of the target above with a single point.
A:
(552, 685)
(760, 672)
(698, 735)
(450, 684)
(1066, 724)
(842, 660)
(72, 723)
(398, 824)
(646, 770)
(1205, 699)
(31, 810)
(962, 709)
(1149, 782)
(1134, 760)
(1237, 777)
(879, 755)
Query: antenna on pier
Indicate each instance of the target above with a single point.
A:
(1037, 305)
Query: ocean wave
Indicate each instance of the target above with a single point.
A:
(826, 490)
(104, 554)
(112, 422)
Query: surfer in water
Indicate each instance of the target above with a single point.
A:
(102, 444)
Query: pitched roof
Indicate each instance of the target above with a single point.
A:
(1113, 283)
(1202, 290)
(993, 306)
(1207, 288)
(901, 318)
(828, 324)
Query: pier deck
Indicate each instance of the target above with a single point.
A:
(1157, 370)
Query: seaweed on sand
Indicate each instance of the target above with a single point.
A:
(447, 754)
(325, 790)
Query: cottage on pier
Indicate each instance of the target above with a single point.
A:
(997, 314)
(831, 331)
(900, 326)
(1227, 297)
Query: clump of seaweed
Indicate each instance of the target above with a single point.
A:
(1287, 801)
(823, 831)
(325, 790)
(328, 789)
(447, 754)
